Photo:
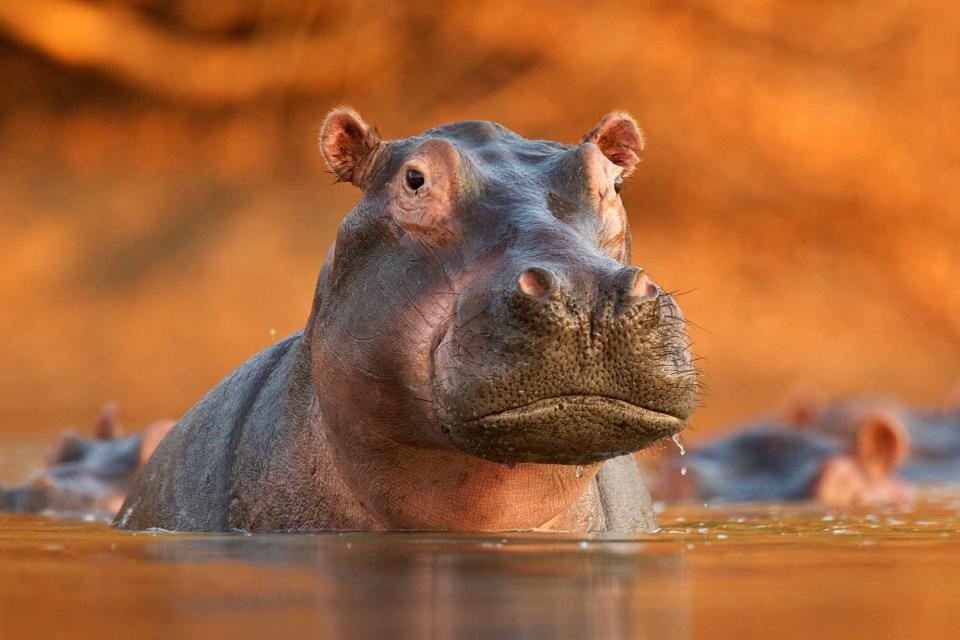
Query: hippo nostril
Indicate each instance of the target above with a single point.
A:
(537, 282)
(635, 285)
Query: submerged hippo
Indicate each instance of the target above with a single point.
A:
(87, 476)
(931, 437)
(477, 348)
(855, 450)
(768, 461)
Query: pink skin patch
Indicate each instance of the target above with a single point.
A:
(643, 287)
(426, 210)
(844, 482)
(602, 175)
(535, 282)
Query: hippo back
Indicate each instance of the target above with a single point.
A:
(188, 482)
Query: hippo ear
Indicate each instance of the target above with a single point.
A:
(801, 408)
(619, 138)
(952, 401)
(152, 435)
(349, 145)
(106, 427)
(882, 444)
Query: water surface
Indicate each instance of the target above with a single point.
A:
(739, 572)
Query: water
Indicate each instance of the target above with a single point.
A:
(677, 441)
(761, 571)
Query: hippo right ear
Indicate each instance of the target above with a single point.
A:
(349, 145)
(882, 444)
(619, 138)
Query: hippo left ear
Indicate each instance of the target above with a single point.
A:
(106, 427)
(619, 138)
(802, 408)
(349, 145)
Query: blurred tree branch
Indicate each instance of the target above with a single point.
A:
(120, 42)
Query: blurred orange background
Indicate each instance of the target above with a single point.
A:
(164, 211)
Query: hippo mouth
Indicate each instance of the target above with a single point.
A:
(547, 407)
(567, 429)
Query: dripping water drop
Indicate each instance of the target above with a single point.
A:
(677, 441)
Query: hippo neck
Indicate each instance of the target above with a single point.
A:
(399, 486)
(413, 488)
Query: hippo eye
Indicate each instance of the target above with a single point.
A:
(618, 184)
(415, 179)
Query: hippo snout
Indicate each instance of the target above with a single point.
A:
(565, 367)
(630, 284)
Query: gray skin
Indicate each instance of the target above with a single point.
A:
(478, 355)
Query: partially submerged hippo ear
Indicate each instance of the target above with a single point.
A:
(952, 401)
(106, 427)
(619, 138)
(349, 145)
(801, 408)
(152, 435)
(882, 444)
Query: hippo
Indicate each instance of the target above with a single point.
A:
(87, 477)
(931, 436)
(768, 461)
(863, 449)
(479, 355)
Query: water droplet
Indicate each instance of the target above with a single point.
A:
(677, 441)
(683, 470)
(579, 471)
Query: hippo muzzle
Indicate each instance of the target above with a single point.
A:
(568, 369)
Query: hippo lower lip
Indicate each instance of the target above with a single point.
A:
(568, 429)
(547, 406)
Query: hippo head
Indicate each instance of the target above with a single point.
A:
(479, 298)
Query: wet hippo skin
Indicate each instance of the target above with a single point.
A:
(479, 356)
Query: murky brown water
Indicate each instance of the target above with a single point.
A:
(712, 572)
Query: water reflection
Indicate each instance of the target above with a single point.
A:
(739, 571)
(379, 585)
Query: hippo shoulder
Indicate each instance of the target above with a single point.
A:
(187, 483)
